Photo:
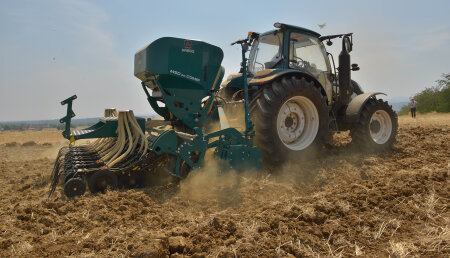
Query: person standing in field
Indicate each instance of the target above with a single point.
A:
(413, 105)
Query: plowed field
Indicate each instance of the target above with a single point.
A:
(346, 203)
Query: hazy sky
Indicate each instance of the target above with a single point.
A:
(52, 49)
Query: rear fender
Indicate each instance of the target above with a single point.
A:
(234, 81)
(354, 108)
(282, 73)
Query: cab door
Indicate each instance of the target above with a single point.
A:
(308, 53)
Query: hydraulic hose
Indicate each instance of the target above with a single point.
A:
(118, 147)
(129, 143)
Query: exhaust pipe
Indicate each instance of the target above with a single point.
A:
(344, 72)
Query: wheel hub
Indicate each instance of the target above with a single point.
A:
(380, 126)
(289, 122)
(297, 123)
(375, 126)
(103, 183)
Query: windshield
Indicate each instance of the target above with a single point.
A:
(265, 52)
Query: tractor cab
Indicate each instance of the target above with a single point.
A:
(286, 49)
(291, 47)
(295, 49)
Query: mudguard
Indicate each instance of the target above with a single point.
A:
(272, 74)
(277, 73)
(264, 77)
(355, 106)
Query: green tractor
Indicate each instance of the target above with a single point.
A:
(298, 97)
(287, 96)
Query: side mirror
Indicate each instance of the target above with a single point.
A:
(347, 44)
(355, 67)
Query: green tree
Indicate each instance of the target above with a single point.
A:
(404, 110)
(435, 98)
(427, 100)
(443, 98)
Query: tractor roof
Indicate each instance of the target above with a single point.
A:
(296, 28)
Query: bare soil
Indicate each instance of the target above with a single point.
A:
(347, 203)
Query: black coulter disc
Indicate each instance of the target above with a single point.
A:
(74, 187)
(102, 180)
(133, 179)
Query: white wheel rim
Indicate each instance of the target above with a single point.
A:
(380, 126)
(297, 123)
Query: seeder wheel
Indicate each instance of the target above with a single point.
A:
(134, 179)
(69, 176)
(74, 187)
(102, 180)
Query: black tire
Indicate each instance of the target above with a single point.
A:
(101, 180)
(134, 179)
(68, 176)
(265, 107)
(74, 187)
(362, 132)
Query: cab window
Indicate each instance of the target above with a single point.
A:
(265, 52)
(306, 52)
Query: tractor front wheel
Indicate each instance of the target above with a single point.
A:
(291, 118)
(377, 126)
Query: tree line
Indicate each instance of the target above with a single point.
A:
(435, 98)
(29, 126)
(44, 124)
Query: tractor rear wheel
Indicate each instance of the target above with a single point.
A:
(377, 126)
(291, 119)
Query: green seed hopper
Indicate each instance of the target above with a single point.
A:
(181, 73)
(185, 76)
